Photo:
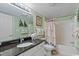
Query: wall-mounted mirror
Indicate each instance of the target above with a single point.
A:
(16, 22)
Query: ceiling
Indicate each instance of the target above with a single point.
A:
(51, 10)
(10, 9)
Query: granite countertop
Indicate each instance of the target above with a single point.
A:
(8, 45)
(29, 47)
(13, 44)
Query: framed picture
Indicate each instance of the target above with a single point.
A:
(38, 20)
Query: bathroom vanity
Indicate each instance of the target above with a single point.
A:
(38, 50)
(11, 49)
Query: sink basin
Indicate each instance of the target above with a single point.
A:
(24, 44)
(48, 47)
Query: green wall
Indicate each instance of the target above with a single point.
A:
(62, 18)
(77, 39)
(20, 32)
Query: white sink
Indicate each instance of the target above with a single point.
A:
(24, 44)
(48, 47)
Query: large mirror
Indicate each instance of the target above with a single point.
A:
(15, 23)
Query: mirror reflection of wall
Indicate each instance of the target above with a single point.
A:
(5, 27)
(20, 23)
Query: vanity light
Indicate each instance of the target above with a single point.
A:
(21, 7)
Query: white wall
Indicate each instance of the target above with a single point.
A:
(5, 27)
(64, 31)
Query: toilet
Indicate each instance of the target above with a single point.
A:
(48, 49)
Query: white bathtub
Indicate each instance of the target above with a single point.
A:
(67, 50)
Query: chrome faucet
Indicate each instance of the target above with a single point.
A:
(21, 40)
(33, 37)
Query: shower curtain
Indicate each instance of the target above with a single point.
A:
(50, 32)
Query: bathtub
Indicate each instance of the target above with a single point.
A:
(67, 50)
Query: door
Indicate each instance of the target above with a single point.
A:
(64, 33)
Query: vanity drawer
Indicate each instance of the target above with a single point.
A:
(33, 51)
(6, 52)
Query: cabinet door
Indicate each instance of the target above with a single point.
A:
(10, 52)
(15, 51)
(32, 51)
(6, 53)
(27, 53)
(40, 51)
(36, 51)
(22, 54)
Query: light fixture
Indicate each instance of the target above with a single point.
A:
(21, 6)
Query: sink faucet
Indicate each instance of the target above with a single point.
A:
(33, 37)
(21, 40)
